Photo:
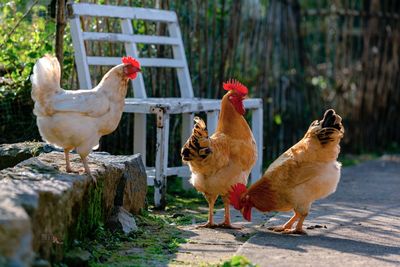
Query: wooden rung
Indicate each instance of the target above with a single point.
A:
(120, 37)
(144, 62)
(123, 12)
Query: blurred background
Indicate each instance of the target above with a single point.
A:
(300, 56)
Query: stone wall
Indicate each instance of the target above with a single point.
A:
(43, 209)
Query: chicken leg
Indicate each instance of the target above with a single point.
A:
(87, 169)
(67, 162)
(299, 227)
(211, 202)
(227, 218)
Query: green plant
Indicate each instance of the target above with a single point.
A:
(239, 261)
(25, 37)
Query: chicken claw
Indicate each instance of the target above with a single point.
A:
(87, 170)
(229, 226)
(294, 232)
(67, 162)
(278, 228)
(207, 225)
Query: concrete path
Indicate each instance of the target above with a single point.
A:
(358, 225)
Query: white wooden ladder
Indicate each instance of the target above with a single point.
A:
(141, 105)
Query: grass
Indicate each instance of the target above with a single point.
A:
(237, 261)
(158, 238)
(154, 244)
(348, 160)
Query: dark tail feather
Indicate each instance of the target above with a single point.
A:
(198, 145)
(331, 123)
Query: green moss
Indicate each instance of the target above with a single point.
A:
(89, 214)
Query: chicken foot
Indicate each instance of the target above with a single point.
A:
(227, 217)
(67, 161)
(299, 227)
(87, 169)
(84, 161)
(211, 202)
(287, 226)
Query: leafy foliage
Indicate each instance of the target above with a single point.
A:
(20, 48)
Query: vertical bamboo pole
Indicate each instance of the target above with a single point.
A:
(60, 32)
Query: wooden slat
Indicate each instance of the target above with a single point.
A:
(182, 171)
(139, 135)
(187, 126)
(119, 37)
(182, 105)
(212, 121)
(144, 62)
(161, 167)
(257, 129)
(123, 12)
(82, 67)
(161, 62)
(185, 83)
(139, 89)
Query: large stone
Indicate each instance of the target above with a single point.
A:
(43, 208)
(122, 220)
(12, 154)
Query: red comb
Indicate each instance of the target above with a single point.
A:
(236, 86)
(131, 60)
(234, 195)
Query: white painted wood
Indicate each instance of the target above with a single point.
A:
(134, 38)
(162, 62)
(139, 136)
(131, 49)
(257, 128)
(140, 120)
(144, 62)
(181, 105)
(182, 171)
(80, 54)
(185, 83)
(140, 105)
(123, 12)
(187, 126)
(212, 121)
(160, 180)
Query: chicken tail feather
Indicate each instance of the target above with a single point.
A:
(45, 82)
(331, 127)
(198, 144)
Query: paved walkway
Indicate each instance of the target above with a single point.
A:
(358, 225)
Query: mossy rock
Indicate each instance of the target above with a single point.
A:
(12, 154)
(58, 207)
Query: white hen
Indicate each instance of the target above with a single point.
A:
(77, 119)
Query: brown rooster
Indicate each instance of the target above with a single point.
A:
(306, 172)
(225, 158)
